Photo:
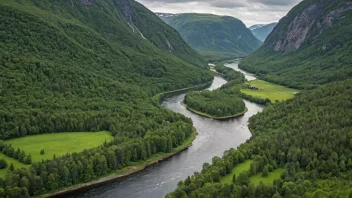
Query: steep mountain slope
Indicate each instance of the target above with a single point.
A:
(213, 36)
(310, 46)
(49, 48)
(89, 65)
(262, 31)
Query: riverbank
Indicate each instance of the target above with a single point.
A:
(140, 166)
(159, 97)
(125, 172)
(214, 117)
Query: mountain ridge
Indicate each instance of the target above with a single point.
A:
(310, 46)
(213, 35)
(82, 66)
(262, 31)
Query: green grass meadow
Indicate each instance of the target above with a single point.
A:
(236, 170)
(59, 143)
(275, 174)
(255, 179)
(9, 160)
(269, 90)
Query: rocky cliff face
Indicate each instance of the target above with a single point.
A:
(305, 24)
(310, 46)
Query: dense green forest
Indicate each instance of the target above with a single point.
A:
(215, 37)
(72, 66)
(309, 135)
(311, 46)
(236, 83)
(215, 103)
(223, 102)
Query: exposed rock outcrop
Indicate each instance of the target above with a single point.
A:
(305, 23)
(128, 12)
(299, 28)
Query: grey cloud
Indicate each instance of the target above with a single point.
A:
(227, 4)
(249, 11)
(232, 3)
(276, 2)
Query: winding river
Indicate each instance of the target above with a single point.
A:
(214, 137)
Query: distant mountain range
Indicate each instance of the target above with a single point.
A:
(215, 37)
(261, 31)
(310, 46)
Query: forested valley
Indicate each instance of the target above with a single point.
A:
(223, 102)
(226, 101)
(89, 67)
(310, 46)
(104, 65)
(310, 136)
(302, 145)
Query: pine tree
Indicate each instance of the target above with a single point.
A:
(12, 168)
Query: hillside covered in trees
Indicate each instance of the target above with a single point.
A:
(215, 37)
(73, 66)
(310, 46)
(309, 136)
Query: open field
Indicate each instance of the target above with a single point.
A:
(237, 170)
(59, 143)
(275, 174)
(9, 160)
(256, 179)
(269, 90)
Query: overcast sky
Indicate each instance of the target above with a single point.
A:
(249, 11)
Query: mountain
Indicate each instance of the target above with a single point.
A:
(299, 148)
(215, 37)
(262, 31)
(253, 27)
(310, 46)
(89, 65)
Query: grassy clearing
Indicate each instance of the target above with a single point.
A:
(137, 166)
(275, 174)
(59, 143)
(10, 160)
(237, 170)
(256, 179)
(269, 90)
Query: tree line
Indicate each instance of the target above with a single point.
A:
(309, 136)
(10, 151)
(89, 72)
(221, 102)
(238, 78)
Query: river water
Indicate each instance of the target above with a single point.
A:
(214, 137)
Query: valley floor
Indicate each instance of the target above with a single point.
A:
(264, 89)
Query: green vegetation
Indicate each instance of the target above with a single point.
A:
(307, 139)
(323, 57)
(10, 161)
(234, 86)
(221, 103)
(272, 176)
(255, 179)
(59, 144)
(273, 92)
(215, 103)
(70, 66)
(216, 37)
(242, 167)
